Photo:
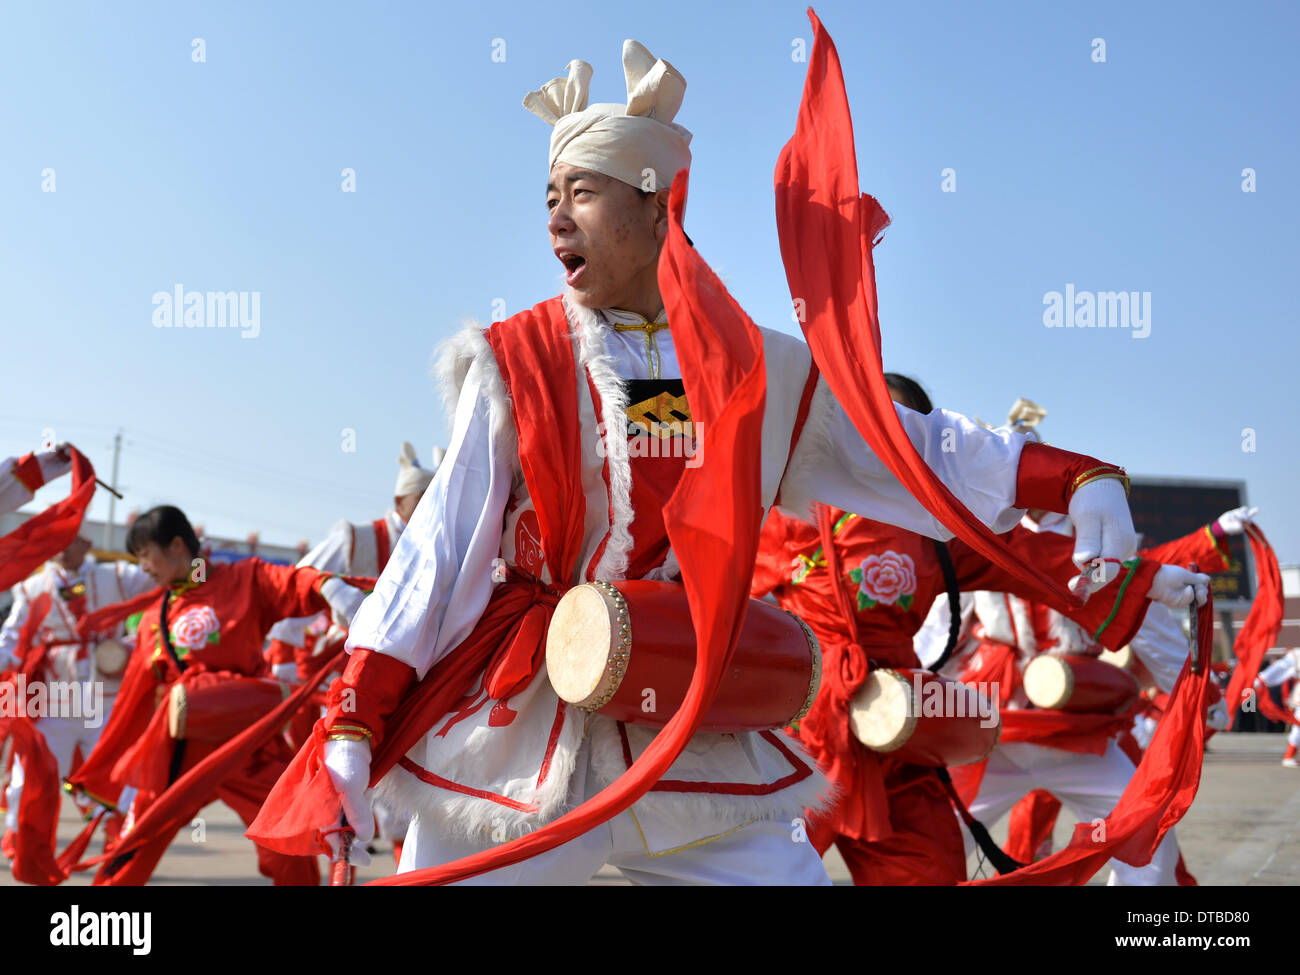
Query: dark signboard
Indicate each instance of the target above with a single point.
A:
(1168, 508)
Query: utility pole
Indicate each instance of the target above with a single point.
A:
(112, 499)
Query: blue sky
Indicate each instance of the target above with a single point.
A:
(225, 175)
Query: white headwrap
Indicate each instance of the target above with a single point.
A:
(412, 478)
(1025, 415)
(637, 143)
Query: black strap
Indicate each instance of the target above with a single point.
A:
(166, 633)
(1002, 862)
(954, 602)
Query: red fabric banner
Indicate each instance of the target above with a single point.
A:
(1158, 795)
(827, 230)
(40, 538)
(1262, 625)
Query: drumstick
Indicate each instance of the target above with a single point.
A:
(342, 873)
(108, 489)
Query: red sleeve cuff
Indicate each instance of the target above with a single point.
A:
(1113, 614)
(1048, 476)
(370, 689)
(27, 470)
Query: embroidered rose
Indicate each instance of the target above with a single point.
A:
(889, 578)
(195, 628)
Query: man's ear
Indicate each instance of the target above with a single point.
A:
(661, 215)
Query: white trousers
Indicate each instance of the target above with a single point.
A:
(763, 853)
(1087, 785)
(62, 735)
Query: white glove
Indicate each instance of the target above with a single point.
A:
(286, 673)
(348, 763)
(344, 600)
(8, 661)
(1103, 529)
(1216, 716)
(1234, 522)
(1175, 587)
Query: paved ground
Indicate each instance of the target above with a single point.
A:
(1244, 828)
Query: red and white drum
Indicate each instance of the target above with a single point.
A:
(924, 719)
(111, 657)
(627, 650)
(216, 707)
(1078, 684)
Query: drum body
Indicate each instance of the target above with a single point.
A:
(921, 718)
(627, 650)
(1078, 684)
(216, 707)
(111, 657)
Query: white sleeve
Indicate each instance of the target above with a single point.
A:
(333, 554)
(1161, 644)
(834, 465)
(1281, 669)
(439, 578)
(13, 624)
(13, 493)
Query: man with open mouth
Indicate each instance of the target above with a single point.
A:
(545, 487)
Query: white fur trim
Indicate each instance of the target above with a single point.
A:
(479, 819)
(668, 570)
(609, 386)
(453, 360)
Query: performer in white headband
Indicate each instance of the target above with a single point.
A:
(504, 515)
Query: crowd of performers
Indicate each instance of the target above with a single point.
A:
(677, 599)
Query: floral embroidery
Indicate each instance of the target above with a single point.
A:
(889, 579)
(194, 629)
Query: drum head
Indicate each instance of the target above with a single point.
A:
(111, 657)
(1120, 658)
(881, 713)
(1049, 681)
(580, 642)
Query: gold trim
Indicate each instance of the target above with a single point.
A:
(346, 736)
(616, 666)
(815, 678)
(685, 846)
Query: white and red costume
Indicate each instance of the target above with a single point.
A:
(67, 659)
(1077, 758)
(894, 823)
